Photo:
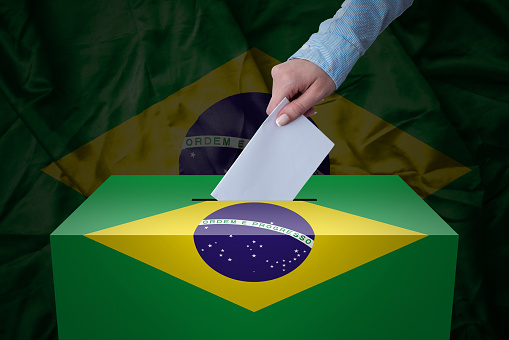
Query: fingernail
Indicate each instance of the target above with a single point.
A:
(282, 120)
(314, 113)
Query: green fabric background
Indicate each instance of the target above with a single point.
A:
(71, 71)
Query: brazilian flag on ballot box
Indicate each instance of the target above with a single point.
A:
(140, 260)
(101, 88)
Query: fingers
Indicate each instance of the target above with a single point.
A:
(303, 105)
(274, 101)
(303, 83)
(310, 112)
(281, 87)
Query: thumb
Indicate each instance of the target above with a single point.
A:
(297, 107)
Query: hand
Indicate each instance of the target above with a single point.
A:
(303, 83)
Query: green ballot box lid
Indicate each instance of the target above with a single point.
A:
(123, 199)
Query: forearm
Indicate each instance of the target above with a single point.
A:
(343, 39)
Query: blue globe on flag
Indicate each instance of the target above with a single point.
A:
(254, 241)
(222, 131)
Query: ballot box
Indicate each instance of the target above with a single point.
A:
(156, 257)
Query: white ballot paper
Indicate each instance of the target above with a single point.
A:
(276, 163)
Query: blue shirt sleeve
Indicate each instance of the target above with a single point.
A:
(343, 39)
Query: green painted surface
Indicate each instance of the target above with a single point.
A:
(386, 199)
(103, 294)
(123, 199)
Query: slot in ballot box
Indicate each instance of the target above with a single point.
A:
(353, 257)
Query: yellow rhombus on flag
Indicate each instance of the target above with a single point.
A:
(354, 239)
(152, 142)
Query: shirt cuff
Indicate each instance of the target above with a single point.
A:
(332, 53)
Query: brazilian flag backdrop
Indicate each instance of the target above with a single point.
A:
(96, 88)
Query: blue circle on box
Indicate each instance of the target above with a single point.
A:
(254, 241)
